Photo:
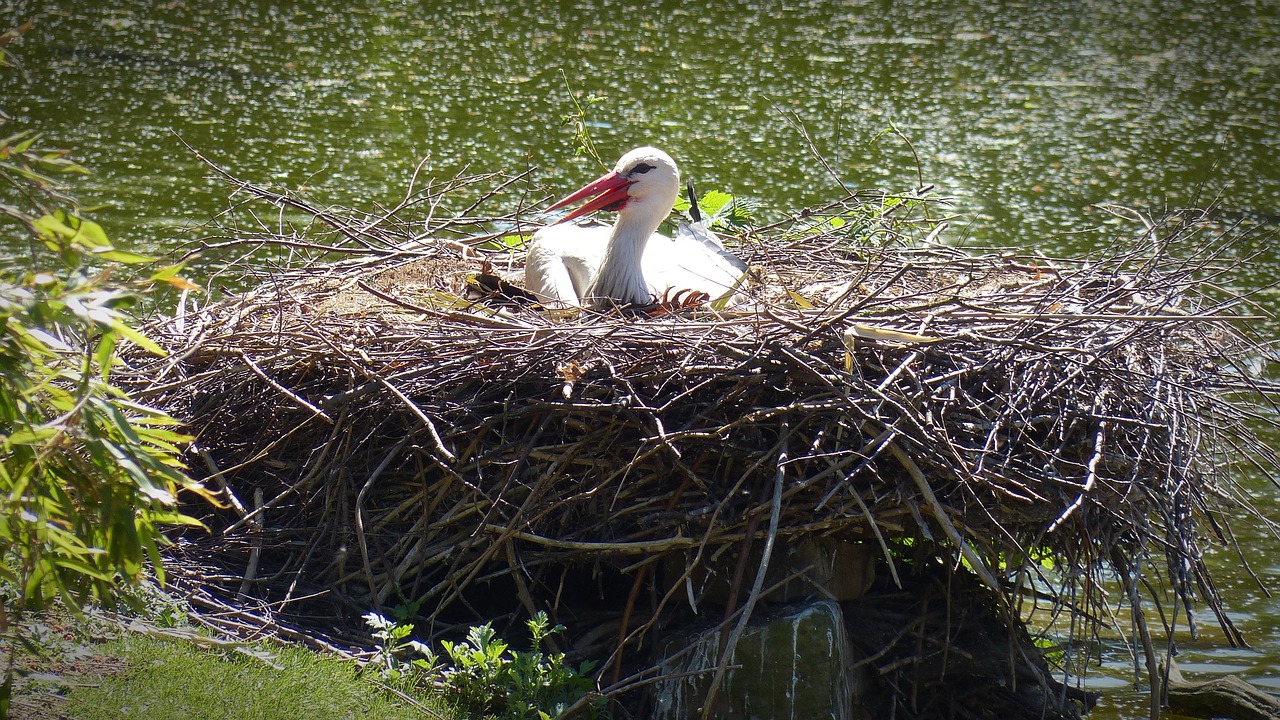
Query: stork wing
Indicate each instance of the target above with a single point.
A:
(695, 260)
(562, 260)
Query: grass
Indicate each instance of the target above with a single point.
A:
(162, 678)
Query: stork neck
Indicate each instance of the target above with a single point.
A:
(620, 278)
(630, 236)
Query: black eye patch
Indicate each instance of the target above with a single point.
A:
(642, 168)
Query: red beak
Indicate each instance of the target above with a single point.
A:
(610, 190)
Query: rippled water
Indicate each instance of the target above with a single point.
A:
(1028, 114)
(1031, 115)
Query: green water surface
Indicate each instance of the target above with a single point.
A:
(1032, 116)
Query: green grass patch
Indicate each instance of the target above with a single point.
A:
(165, 679)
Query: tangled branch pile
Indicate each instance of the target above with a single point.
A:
(411, 446)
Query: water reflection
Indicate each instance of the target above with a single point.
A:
(1032, 115)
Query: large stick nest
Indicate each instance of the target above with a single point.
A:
(410, 444)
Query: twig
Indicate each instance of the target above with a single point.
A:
(774, 518)
(940, 514)
(255, 546)
(301, 402)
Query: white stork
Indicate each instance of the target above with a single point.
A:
(628, 264)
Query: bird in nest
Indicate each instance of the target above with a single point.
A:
(629, 264)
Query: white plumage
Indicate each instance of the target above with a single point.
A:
(628, 263)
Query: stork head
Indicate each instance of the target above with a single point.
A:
(645, 178)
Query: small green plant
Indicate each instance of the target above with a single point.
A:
(577, 122)
(488, 677)
(485, 677)
(392, 641)
(722, 211)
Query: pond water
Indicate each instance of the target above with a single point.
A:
(1031, 116)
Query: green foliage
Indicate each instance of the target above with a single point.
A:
(6, 58)
(504, 243)
(578, 124)
(29, 170)
(488, 677)
(29, 191)
(485, 677)
(722, 211)
(88, 477)
(393, 642)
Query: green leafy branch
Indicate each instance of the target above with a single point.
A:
(29, 174)
(89, 477)
(579, 125)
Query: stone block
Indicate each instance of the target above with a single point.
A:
(796, 665)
